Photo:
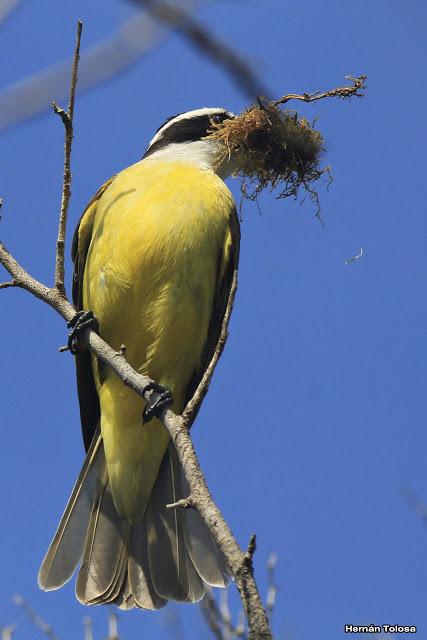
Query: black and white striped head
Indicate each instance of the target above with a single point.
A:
(181, 137)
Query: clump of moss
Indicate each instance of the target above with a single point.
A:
(274, 149)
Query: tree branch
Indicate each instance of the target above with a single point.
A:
(218, 617)
(7, 285)
(193, 405)
(67, 120)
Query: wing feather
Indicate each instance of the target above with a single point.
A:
(88, 396)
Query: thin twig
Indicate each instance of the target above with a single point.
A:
(37, 621)
(7, 285)
(193, 405)
(354, 258)
(218, 617)
(225, 615)
(184, 503)
(206, 43)
(212, 614)
(355, 90)
(67, 119)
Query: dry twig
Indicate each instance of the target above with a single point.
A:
(240, 563)
(193, 406)
(67, 120)
(218, 617)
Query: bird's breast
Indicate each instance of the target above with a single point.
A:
(152, 268)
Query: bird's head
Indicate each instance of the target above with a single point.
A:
(184, 137)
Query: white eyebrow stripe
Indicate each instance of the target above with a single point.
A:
(185, 116)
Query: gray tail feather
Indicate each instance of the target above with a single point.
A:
(168, 554)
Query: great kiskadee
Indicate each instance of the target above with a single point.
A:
(154, 254)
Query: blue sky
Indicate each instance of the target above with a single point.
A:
(315, 421)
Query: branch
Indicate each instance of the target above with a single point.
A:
(67, 119)
(218, 617)
(240, 563)
(193, 405)
(7, 285)
(355, 90)
(205, 42)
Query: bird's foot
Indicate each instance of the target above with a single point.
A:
(82, 320)
(160, 398)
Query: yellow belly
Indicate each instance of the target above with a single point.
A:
(158, 242)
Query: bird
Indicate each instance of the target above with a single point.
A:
(154, 255)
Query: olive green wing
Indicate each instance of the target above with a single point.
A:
(88, 396)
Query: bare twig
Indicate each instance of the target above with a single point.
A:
(67, 119)
(37, 621)
(355, 90)
(184, 503)
(212, 614)
(206, 43)
(193, 405)
(7, 285)
(354, 258)
(218, 617)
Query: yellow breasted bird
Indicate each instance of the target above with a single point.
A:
(154, 254)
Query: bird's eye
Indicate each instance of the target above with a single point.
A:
(217, 118)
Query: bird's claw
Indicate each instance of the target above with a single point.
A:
(160, 398)
(82, 320)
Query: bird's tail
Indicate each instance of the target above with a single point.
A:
(167, 554)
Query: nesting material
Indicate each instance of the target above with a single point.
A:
(274, 149)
